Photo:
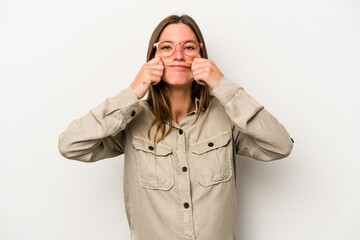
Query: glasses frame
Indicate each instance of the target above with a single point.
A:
(200, 45)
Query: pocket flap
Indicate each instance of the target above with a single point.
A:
(147, 146)
(210, 143)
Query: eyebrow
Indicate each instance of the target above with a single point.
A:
(167, 40)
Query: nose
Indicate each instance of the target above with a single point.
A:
(178, 53)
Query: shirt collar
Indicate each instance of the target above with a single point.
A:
(197, 103)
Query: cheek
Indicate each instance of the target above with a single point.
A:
(164, 59)
(191, 59)
(157, 55)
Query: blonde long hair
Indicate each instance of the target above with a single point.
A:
(157, 97)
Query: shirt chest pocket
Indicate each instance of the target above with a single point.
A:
(154, 165)
(212, 159)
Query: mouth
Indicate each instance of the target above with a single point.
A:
(179, 66)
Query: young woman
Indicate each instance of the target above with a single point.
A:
(180, 143)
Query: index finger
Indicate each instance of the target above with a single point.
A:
(160, 61)
(156, 60)
(198, 60)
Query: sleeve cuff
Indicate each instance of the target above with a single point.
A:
(224, 90)
(126, 97)
(125, 102)
(233, 96)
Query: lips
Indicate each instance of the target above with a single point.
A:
(179, 66)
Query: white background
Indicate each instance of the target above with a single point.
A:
(300, 59)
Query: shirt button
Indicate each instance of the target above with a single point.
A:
(292, 140)
(132, 113)
(181, 132)
(184, 169)
(210, 144)
(151, 148)
(186, 205)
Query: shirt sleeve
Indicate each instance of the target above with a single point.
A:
(257, 133)
(100, 133)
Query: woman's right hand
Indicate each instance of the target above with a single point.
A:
(149, 74)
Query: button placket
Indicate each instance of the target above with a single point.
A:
(184, 185)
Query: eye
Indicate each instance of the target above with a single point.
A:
(165, 47)
(189, 48)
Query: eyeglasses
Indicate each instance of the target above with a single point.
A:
(167, 48)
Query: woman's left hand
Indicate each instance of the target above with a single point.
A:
(205, 72)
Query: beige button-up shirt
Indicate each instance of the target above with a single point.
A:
(185, 187)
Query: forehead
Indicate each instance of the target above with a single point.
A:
(177, 32)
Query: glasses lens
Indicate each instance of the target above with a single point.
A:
(190, 48)
(166, 48)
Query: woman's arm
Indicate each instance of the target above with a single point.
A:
(100, 133)
(256, 132)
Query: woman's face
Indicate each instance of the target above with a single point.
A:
(174, 74)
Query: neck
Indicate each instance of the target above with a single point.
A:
(181, 101)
